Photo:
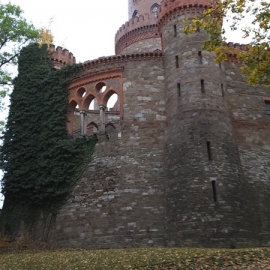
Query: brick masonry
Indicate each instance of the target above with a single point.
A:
(188, 155)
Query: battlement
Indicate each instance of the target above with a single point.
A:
(169, 7)
(134, 23)
(116, 59)
(61, 57)
(136, 29)
(237, 48)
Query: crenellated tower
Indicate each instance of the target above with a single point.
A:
(142, 7)
(61, 57)
(140, 33)
(205, 187)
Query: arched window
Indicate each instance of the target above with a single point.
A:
(155, 9)
(135, 14)
(91, 128)
(110, 128)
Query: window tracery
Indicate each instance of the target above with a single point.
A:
(155, 9)
(135, 14)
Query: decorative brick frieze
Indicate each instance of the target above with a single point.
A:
(117, 59)
(145, 32)
(95, 76)
(137, 29)
(171, 8)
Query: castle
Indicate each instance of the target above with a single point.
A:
(183, 154)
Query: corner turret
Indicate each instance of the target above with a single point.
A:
(140, 33)
(61, 57)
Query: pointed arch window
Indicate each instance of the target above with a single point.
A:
(135, 14)
(155, 9)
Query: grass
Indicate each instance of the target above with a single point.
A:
(139, 258)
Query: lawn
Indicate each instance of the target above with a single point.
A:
(138, 258)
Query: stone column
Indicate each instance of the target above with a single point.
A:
(102, 109)
(83, 129)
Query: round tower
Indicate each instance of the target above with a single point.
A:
(140, 33)
(208, 202)
(142, 7)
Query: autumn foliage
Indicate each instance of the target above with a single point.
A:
(140, 259)
(256, 30)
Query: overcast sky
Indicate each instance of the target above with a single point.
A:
(85, 27)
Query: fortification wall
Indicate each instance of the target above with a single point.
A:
(119, 202)
(146, 45)
(251, 123)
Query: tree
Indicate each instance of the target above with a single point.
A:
(257, 56)
(41, 163)
(15, 32)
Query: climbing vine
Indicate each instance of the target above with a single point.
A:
(41, 162)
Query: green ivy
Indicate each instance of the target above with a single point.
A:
(41, 162)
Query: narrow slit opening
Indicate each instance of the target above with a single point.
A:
(214, 188)
(222, 90)
(200, 57)
(174, 30)
(202, 86)
(176, 61)
(179, 89)
(208, 143)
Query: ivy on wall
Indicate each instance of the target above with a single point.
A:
(41, 162)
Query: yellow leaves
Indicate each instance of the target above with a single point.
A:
(44, 37)
(256, 67)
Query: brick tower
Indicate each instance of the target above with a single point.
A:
(205, 187)
(140, 33)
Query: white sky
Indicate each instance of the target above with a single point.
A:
(85, 27)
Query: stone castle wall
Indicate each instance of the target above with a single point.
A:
(251, 128)
(120, 200)
(187, 161)
(147, 45)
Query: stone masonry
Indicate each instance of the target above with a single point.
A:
(183, 150)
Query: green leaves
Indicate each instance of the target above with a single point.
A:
(15, 31)
(41, 162)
